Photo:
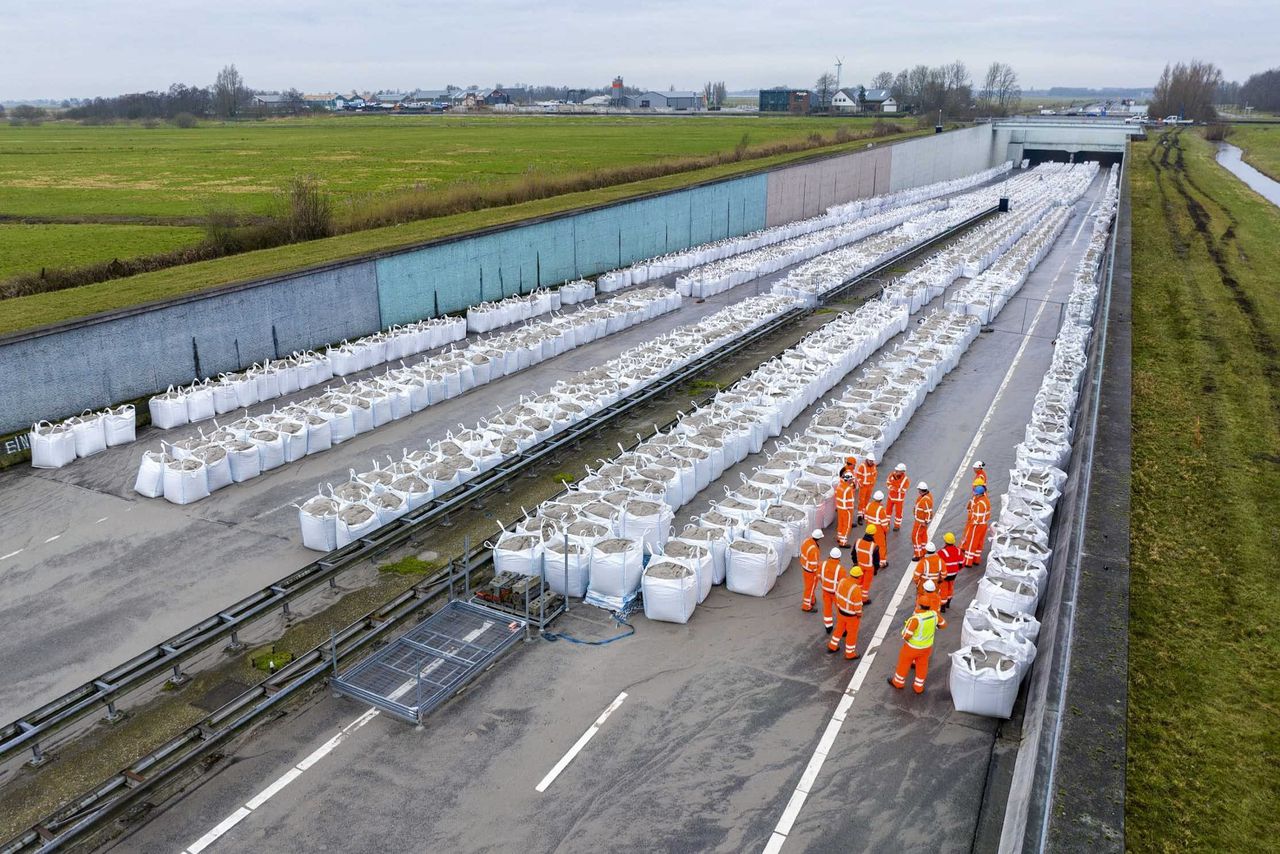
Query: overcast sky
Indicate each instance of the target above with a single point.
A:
(80, 48)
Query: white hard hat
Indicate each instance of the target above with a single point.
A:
(817, 533)
(930, 547)
(929, 586)
(900, 467)
(923, 487)
(871, 458)
(879, 495)
(979, 464)
(835, 553)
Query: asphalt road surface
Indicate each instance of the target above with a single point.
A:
(721, 717)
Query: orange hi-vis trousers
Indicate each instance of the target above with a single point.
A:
(828, 608)
(810, 588)
(974, 538)
(911, 657)
(919, 536)
(846, 627)
(844, 524)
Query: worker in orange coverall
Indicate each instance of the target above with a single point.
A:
(867, 558)
(846, 507)
(830, 577)
(928, 577)
(878, 516)
(917, 646)
(922, 516)
(975, 526)
(865, 474)
(848, 613)
(810, 562)
(897, 485)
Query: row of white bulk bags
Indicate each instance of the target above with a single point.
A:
(999, 629)
(457, 458)
(572, 293)
(56, 445)
(487, 316)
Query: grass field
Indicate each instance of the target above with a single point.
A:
(25, 312)
(1261, 145)
(63, 169)
(1204, 686)
(30, 247)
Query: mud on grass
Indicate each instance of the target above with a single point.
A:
(1204, 688)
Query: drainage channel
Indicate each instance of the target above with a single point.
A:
(145, 780)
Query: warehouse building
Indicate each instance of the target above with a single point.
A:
(782, 100)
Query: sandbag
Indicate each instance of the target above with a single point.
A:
(697, 557)
(217, 466)
(169, 410)
(616, 567)
(566, 566)
(984, 681)
(244, 458)
(120, 425)
(185, 481)
(89, 433)
(150, 479)
(670, 591)
(518, 553)
(750, 568)
(353, 522)
(52, 445)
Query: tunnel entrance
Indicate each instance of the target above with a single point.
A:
(1057, 155)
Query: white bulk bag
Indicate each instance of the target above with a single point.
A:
(120, 425)
(646, 521)
(169, 410)
(751, 568)
(185, 481)
(774, 536)
(246, 389)
(270, 446)
(413, 489)
(150, 480)
(52, 445)
(217, 466)
(319, 434)
(980, 617)
(518, 553)
(697, 556)
(670, 591)
(984, 681)
(293, 434)
(616, 566)
(342, 425)
(89, 434)
(1007, 594)
(244, 458)
(200, 402)
(225, 398)
(567, 567)
(353, 522)
(388, 506)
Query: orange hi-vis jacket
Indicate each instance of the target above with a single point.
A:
(847, 495)
(849, 596)
(868, 554)
(929, 568)
(865, 474)
(897, 485)
(810, 555)
(979, 510)
(924, 509)
(831, 572)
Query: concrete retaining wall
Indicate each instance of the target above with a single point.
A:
(98, 361)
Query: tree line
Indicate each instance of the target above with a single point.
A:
(950, 88)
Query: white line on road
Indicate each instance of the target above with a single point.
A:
(11, 554)
(103, 519)
(222, 827)
(54, 537)
(810, 775)
(581, 743)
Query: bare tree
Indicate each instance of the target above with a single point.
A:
(1000, 93)
(824, 88)
(1261, 90)
(1187, 90)
(883, 80)
(721, 92)
(229, 92)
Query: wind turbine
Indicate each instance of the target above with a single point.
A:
(839, 65)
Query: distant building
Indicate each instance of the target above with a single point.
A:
(271, 102)
(598, 101)
(844, 102)
(666, 101)
(879, 101)
(785, 100)
(324, 101)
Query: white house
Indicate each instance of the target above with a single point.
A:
(843, 102)
(879, 101)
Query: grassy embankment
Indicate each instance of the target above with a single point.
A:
(27, 311)
(1204, 686)
(1261, 145)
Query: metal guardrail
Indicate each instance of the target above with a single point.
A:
(143, 779)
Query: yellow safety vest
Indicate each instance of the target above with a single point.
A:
(926, 623)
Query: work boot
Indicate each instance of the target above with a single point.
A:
(833, 649)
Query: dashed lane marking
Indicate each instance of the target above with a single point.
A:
(581, 743)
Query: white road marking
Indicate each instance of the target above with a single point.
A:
(810, 775)
(212, 836)
(11, 554)
(54, 537)
(103, 519)
(315, 756)
(407, 686)
(581, 743)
